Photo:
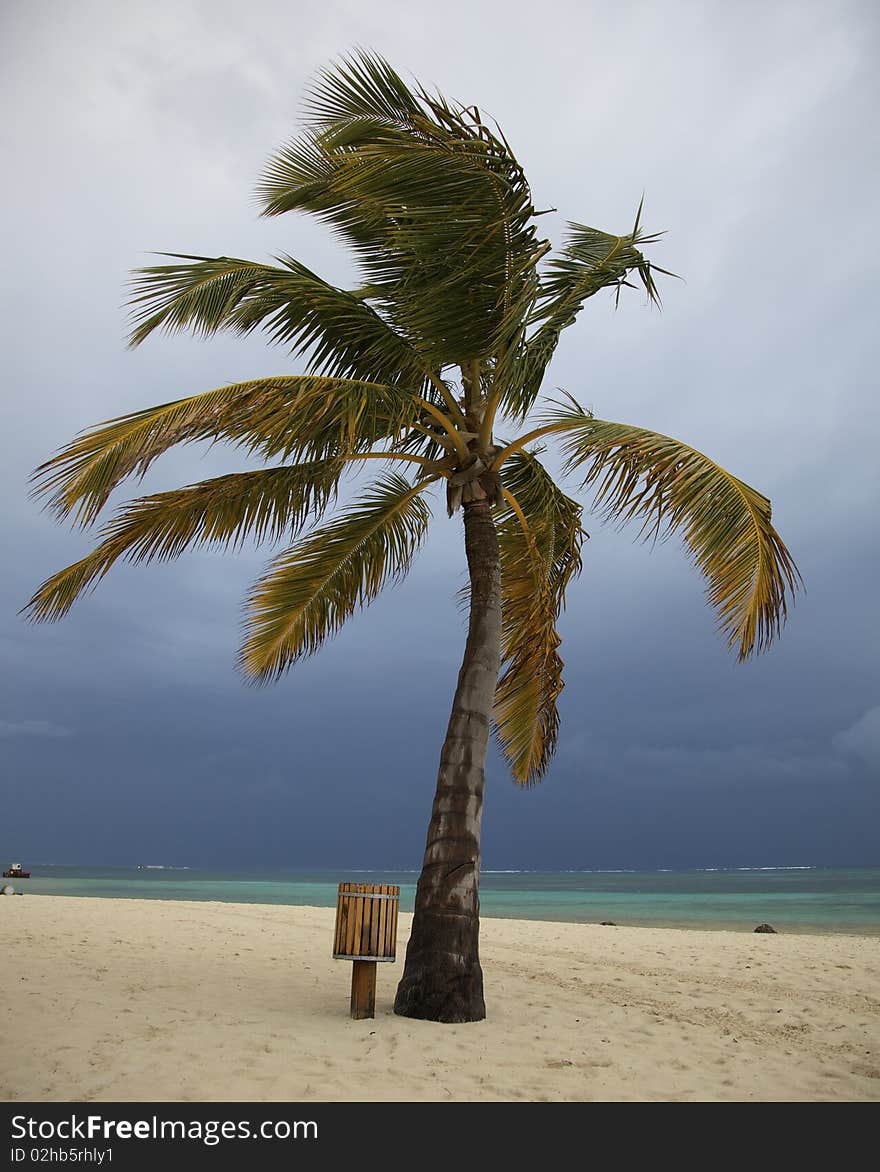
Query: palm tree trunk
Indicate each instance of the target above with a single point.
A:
(442, 979)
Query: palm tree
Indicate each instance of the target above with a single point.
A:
(442, 347)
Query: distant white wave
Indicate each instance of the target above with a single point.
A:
(710, 869)
(160, 867)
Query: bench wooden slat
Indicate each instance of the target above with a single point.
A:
(366, 921)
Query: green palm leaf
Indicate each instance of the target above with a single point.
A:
(312, 588)
(590, 261)
(540, 536)
(361, 87)
(641, 475)
(299, 417)
(260, 506)
(343, 336)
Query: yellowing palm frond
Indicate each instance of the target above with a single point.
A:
(261, 506)
(540, 536)
(312, 588)
(641, 475)
(300, 417)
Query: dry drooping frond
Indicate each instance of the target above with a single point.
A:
(642, 475)
(301, 417)
(540, 536)
(259, 506)
(311, 589)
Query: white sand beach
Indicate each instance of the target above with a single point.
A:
(149, 1000)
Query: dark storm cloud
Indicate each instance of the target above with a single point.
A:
(125, 731)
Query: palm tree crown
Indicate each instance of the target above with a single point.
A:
(443, 345)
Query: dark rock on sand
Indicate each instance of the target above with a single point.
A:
(607, 924)
(765, 928)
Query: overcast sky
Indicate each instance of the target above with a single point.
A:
(126, 735)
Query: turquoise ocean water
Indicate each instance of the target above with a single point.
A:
(792, 899)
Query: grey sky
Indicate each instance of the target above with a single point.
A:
(125, 733)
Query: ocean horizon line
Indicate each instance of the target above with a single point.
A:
(333, 869)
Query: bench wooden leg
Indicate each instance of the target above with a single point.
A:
(363, 989)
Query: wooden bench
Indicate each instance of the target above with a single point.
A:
(366, 933)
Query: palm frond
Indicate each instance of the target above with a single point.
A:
(292, 417)
(343, 336)
(589, 262)
(540, 537)
(361, 87)
(261, 506)
(726, 525)
(312, 588)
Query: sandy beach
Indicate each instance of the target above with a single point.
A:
(108, 999)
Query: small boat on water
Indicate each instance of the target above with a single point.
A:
(15, 872)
